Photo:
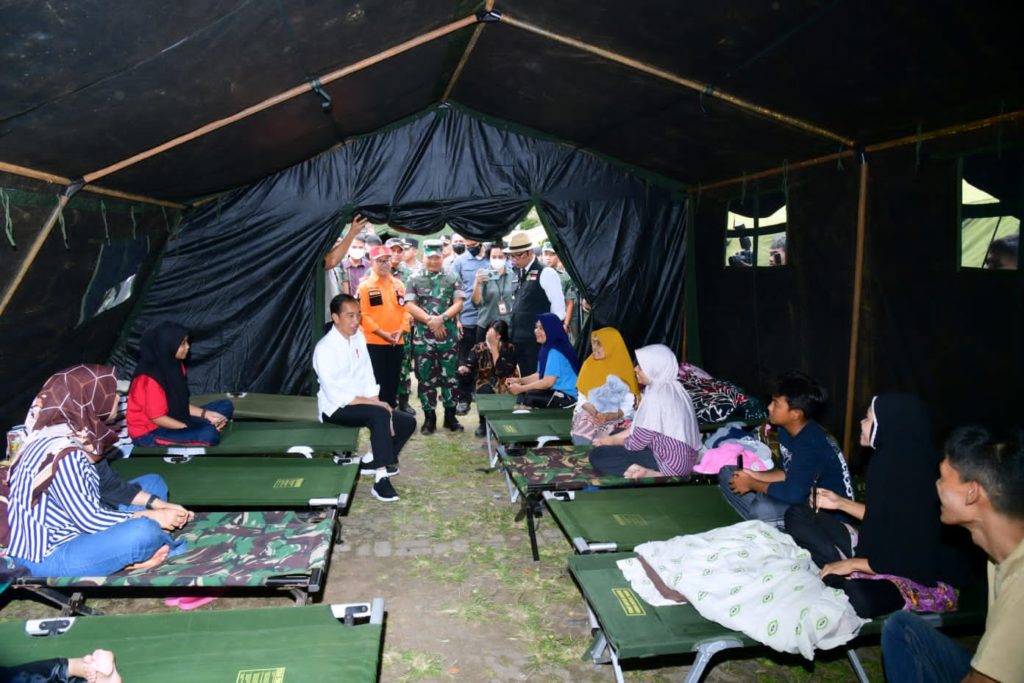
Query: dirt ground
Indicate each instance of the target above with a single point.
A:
(464, 600)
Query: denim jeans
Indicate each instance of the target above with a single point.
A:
(913, 651)
(752, 505)
(104, 552)
(199, 432)
(150, 483)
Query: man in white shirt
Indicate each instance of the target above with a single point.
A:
(349, 395)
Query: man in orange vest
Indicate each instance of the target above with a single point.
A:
(384, 322)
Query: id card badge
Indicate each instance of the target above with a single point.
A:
(502, 308)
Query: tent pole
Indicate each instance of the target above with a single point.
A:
(282, 97)
(37, 245)
(95, 189)
(858, 277)
(878, 147)
(704, 88)
(462, 63)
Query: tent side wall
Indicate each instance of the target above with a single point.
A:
(953, 336)
(62, 312)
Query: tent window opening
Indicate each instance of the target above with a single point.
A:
(991, 194)
(113, 278)
(755, 232)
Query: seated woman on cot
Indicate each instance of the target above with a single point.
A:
(664, 438)
(159, 412)
(55, 517)
(554, 383)
(97, 667)
(492, 361)
(607, 388)
(896, 559)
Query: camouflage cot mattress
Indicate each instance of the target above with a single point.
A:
(267, 645)
(250, 483)
(565, 468)
(268, 438)
(230, 550)
(254, 406)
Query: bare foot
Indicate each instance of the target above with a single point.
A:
(159, 556)
(101, 667)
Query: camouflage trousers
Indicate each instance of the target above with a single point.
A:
(405, 373)
(437, 363)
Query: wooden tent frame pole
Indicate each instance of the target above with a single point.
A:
(33, 251)
(95, 189)
(858, 278)
(878, 147)
(488, 7)
(282, 97)
(704, 88)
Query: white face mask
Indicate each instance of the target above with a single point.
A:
(498, 263)
(356, 254)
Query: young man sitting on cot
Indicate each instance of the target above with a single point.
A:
(981, 487)
(810, 458)
(349, 394)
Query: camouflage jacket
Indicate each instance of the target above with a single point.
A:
(434, 293)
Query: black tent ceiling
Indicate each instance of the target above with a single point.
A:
(86, 84)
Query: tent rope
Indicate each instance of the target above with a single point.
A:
(63, 225)
(131, 212)
(8, 223)
(106, 227)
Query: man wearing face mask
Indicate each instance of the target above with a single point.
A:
(539, 291)
(465, 268)
(458, 249)
(337, 278)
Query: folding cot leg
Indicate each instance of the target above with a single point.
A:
(301, 596)
(531, 527)
(616, 667)
(492, 456)
(513, 492)
(69, 606)
(705, 651)
(858, 668)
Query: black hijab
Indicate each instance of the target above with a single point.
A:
(901, 531)
(156, 358)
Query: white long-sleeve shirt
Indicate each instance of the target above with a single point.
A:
(343, 369)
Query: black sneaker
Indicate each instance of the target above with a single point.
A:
(480, 432)
(462, 408)
(384, 491)
(369, 468)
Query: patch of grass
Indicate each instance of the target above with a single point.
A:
(415, 665)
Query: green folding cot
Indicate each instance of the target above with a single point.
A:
(320, 643)
(627, 628)
(282, 550)
(537, 426)
(620, 519)
(254, 406)
(249, 483)
(559, 469)
(268, 438)
(493, 403)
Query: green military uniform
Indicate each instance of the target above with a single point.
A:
(436, 359)
(571, 293)
(404, 273)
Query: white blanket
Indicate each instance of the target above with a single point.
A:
(751, 578)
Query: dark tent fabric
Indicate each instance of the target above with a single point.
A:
(240, 273)
(71, 307)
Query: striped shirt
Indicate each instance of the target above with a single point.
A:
(67, 509)
(675, 458)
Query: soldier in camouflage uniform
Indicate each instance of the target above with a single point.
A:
(569, 290)
(403, 272)
(434, 299)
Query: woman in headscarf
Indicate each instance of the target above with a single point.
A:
(607, 388)
(58, 525)
(159, 412)
(895, 560)
(491, 361)
(554, 383)
(664, 438)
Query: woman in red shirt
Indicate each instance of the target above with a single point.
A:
(159, 412)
